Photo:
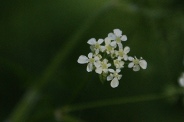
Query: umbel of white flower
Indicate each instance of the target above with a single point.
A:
(108, 57)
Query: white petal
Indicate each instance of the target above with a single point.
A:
(97, 64)
(118, 70)
(96, 58)
(136, 68)
(92, 41)
(90, 55)
(111, 36)
(126, 49)
(102, 48)
(119, 77)
(97, 51)
(114, 83)
(143, 64)
(109, 77)
(100, 41)
(92, 48)
(125, 57)
(121, 64)
(105, 70)
(107, 41)
(105, 60)
(181, 81)
(82, 59)
(130, 65)
(117, 32)
(109, 64)
(89, 67)
(111, 70)
(120, 46)
(113, 43)
(119, 58)
(98, 70)
(130, 58)
(124, 38)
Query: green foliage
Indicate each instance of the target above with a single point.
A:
(40, 42)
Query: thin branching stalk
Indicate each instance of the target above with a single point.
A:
(120, 101)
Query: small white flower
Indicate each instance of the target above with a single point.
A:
(114, 77)
(96, 45)
(181, 80)
(137, 63)
(122, 53)
(118, 63)
(91, 60)
(117, 37)
(109, 49)
(113, 54)
(102, 66)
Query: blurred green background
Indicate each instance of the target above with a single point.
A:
(41, 40)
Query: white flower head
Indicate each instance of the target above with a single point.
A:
(118, 63)
(91, 60)
(137, 63)
(102, 66)
(181, 80)
(114, 77)
(117, 37)
(122, 53)
(96, 45)
(111, 51)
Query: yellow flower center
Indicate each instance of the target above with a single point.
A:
(136, 61)
(109, 48)
(115, 74)
(121, 53)
(91, 60)
(104, 66)
(118, 40)
(97, 46)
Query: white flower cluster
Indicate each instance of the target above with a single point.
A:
(108, 56)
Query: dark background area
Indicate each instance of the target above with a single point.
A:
(41, 40)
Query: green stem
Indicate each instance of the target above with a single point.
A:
(26, 104)
(119, 101)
